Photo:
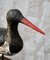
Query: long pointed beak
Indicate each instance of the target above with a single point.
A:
(28, 23)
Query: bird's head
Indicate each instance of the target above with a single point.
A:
(16, 15)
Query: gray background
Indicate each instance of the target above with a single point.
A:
(36, 46)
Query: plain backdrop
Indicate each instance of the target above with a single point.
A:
(36, 45)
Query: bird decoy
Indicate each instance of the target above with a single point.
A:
(10, 40)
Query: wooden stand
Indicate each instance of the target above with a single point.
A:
(4, 58)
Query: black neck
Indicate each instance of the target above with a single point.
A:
(14, 29)
(16, 42)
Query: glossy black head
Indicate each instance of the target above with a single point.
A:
(14, 15)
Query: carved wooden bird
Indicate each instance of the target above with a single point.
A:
(10, 40)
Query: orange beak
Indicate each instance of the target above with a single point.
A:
(28, 23)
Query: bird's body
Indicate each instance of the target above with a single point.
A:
(10, 40)
(2, 32)
(10, 36)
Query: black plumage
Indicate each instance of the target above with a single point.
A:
(10, 40)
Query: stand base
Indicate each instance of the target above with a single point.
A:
(5, 58)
